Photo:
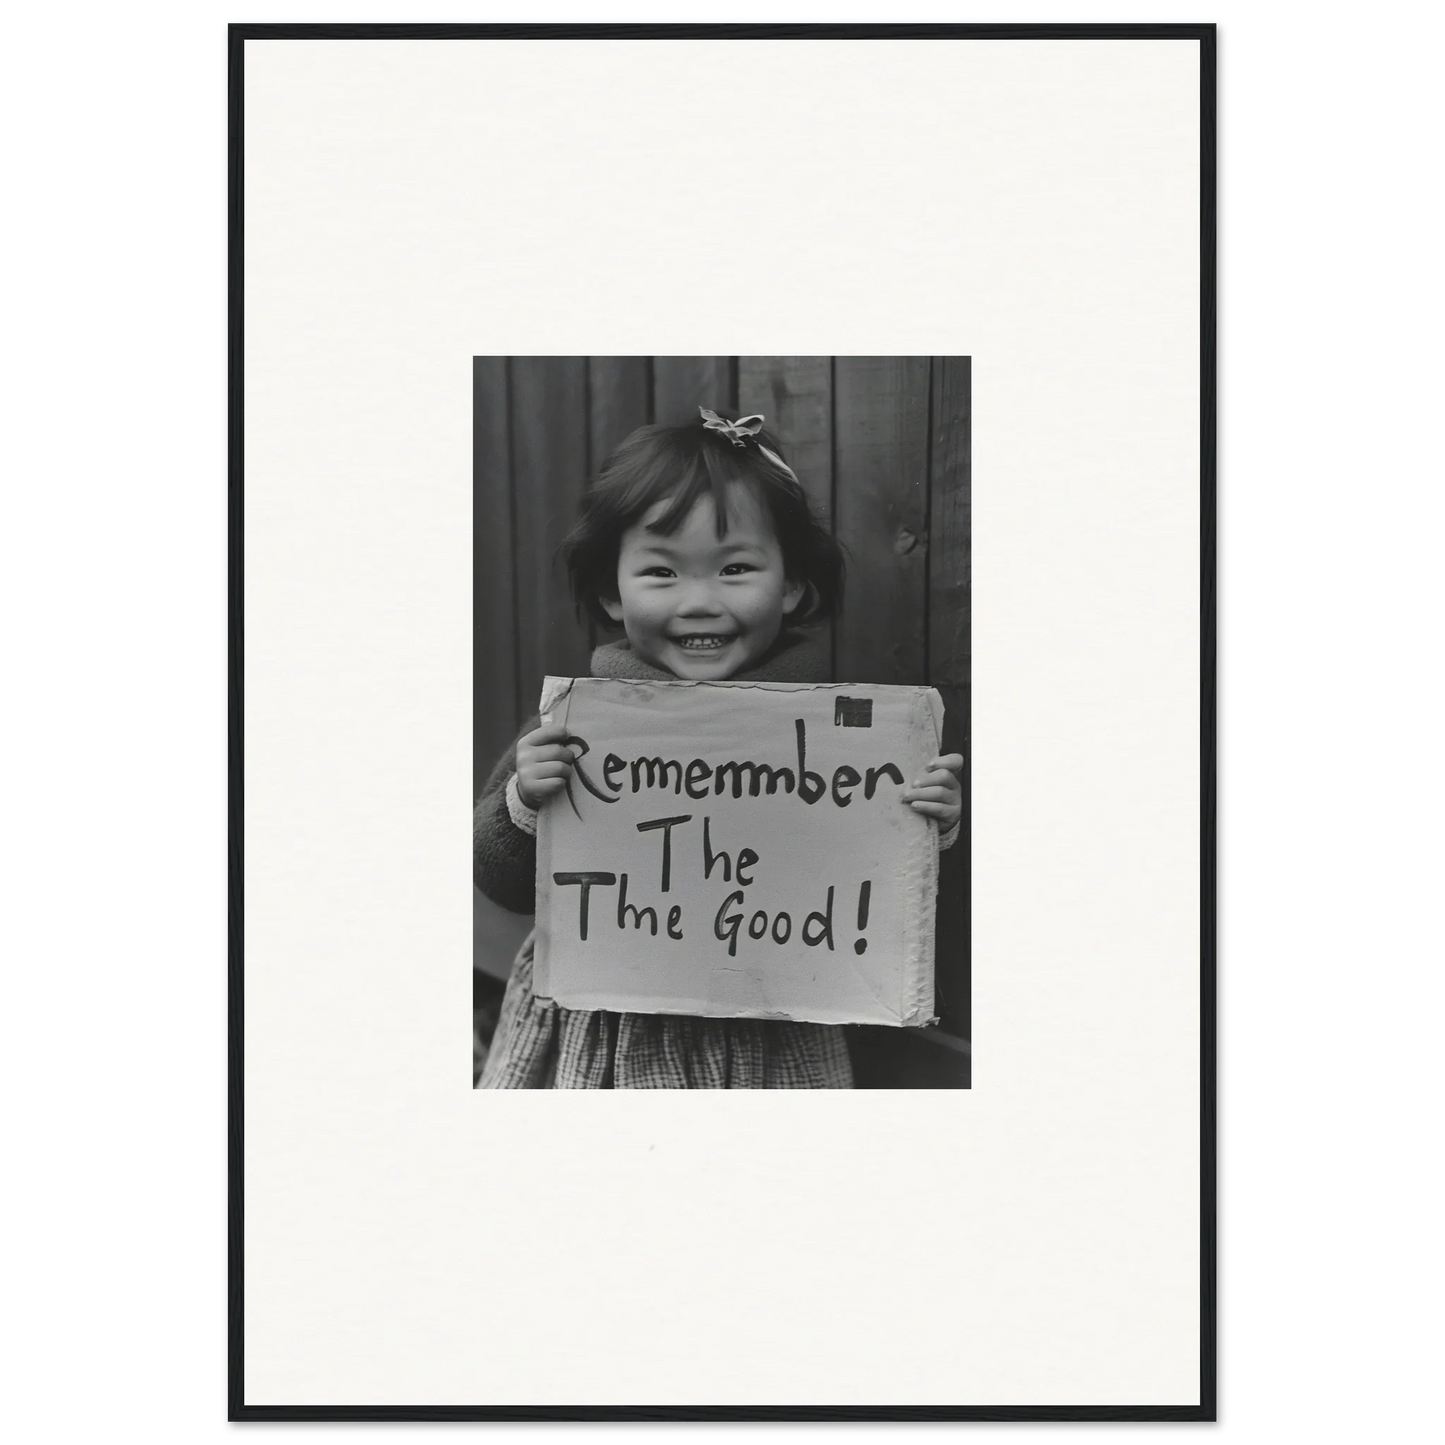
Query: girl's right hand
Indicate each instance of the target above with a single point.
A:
(544, 766)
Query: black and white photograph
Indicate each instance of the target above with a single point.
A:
(767, 557)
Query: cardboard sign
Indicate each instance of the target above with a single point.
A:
(740, 850)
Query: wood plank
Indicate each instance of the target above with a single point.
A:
(494, 640)
(681, 384)
(549, 472)
(619, 401)
(949, 524)
(795, 395)
(880, 499)
(952, 919)
(949, 659)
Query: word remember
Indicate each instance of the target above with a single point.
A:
(698, 780)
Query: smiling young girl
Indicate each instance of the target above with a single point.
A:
(699, 541)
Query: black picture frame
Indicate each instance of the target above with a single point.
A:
(1205, 1409)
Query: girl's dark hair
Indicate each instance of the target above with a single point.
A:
(681, 464)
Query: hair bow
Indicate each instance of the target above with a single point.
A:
(737, 432)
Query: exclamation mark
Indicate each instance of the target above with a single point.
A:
(861, 944)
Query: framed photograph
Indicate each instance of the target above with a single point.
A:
(641, 435)
(876, 462)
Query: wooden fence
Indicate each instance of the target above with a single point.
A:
(880, 443)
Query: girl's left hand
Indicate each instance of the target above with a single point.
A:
(937, 791)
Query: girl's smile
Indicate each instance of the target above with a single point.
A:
(702, 641)
(699, 605)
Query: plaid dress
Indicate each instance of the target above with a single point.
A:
(540, 1045)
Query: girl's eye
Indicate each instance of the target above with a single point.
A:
(657, 572)
(736, 569)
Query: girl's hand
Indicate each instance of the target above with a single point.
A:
(937, 791)
(544, 766)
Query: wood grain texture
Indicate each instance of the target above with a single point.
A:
(681, 384)
(795, 396)
(880, 492)
(949, 620)
(549, 472)
(952, 924)
(494, 640)
(619, 401)
(949, 554)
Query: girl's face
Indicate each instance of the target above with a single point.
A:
(698, 605)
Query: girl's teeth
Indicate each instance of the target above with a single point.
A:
(703, 644)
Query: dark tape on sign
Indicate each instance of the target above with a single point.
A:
(853, 712)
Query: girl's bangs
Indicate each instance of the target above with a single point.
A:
(706, 472)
